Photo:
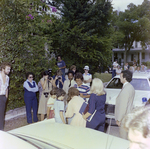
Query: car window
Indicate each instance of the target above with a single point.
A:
(140, 84)
(115, 83)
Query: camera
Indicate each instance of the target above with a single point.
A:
(49, 74)
(46, 94)
(59, 77)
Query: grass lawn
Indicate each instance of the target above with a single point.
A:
(105, 77)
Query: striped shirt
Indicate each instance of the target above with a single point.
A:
(84, 89)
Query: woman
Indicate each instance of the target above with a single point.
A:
(74, 105)
(96, 105)
(30, 89)
(58, 79)
(47, 87)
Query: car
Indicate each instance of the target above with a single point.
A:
(141, 84)
(48, 134)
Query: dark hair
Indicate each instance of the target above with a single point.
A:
(45, 73)
(54, 91)
(71, 72)
(29, 73)
(78, 75)
(127, 74)
(60, 92)
(4, 64)
(72, 92)
(59, 56)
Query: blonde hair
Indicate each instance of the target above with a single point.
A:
(97, 87)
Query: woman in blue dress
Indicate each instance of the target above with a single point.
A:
(96, 106)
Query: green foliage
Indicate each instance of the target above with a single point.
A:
(22, 43)
(131, 25)
(83, 35)
(105, 77)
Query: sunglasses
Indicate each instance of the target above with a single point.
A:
(30, 77)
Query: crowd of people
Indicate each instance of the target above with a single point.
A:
(78, 100)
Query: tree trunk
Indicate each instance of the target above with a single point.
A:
(125, 56)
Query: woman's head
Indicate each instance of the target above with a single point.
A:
(59, 73)
(97, 87)
(30, 76)
(72, 92)
(73, 68)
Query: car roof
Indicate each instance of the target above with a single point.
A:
(138, 75)
(71, 136)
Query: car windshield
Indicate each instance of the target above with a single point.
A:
(138, 84)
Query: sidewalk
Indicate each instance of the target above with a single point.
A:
(15, 113)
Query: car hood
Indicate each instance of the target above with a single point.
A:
(111, 95)
(70, 136)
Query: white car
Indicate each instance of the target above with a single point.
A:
(141, 84)
(50, 135)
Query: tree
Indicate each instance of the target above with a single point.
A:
(22, 43)
(132, 25)
(83, 33)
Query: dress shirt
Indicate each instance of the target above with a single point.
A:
(3, 87)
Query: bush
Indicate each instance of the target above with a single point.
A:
(105, 77)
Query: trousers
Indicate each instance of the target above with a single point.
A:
(31, 103)
(2, 110)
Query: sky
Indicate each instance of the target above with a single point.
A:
(122, 4)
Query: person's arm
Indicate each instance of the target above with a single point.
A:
(62, 117)
(54, 81)
(48, 111)
(64, 65)
(86, 115)
(84, 96)
(88, 81)
(26, 86)
(43, 83)
(6, 93)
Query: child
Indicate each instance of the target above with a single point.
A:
(59, 106)
(50, 103)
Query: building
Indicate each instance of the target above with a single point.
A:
(136, 52)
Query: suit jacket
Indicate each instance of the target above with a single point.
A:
(124, 102)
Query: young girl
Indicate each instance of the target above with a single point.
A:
(50, 103)
(59, 106)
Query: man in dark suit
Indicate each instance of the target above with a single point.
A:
(124, 101)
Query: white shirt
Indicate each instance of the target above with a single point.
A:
(115, 64)
(3, 87)
(87, 77)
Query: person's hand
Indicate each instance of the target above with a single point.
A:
(81, 95)
(51, 80)
(118, 123)
(83, 116)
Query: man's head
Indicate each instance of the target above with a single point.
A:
(70, 75)
(126, 76)
(138, 125)
(5, 67)
(78, 78)
(59, 58)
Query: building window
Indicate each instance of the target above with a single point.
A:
(122, 55)
(132, 57)
(143, 55)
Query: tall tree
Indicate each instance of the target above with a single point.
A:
(83, 34)
(132, 25)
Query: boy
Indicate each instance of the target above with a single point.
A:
(59, 106)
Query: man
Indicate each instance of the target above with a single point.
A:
(87, 76)
(124, 101)
(4, 83)
(61, 64)
(115, 64)
(137, 124)
(69, 82)
(82, 87)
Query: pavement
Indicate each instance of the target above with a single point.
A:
(15, 113)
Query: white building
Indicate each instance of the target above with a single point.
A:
(136, 52)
